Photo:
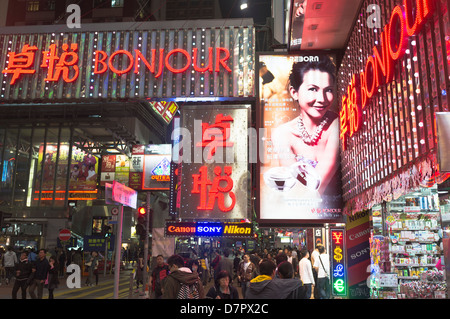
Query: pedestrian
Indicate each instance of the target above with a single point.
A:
(194, 265)
(267, 286)
(222, 288)
(9, 261)
(24, 275)
(140, 272)
(62, 257)
(236, 261)
(247, 271)
(205, 267)
(285, 272)
(40, 268)
(2, 266)
(52, 281)
(225, 263)
(306, 273)
(314, 256)
(181, 283)
(322, 266)
(159, 273)
(215, 262)
(92, 265)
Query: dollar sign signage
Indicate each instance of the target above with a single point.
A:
(338, 278)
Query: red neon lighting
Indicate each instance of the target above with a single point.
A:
(215, 192)
(66, 65)
(66, 60)
(337, 236)
(127, 69)
(216, 135)
(380, 66)
(19, 63)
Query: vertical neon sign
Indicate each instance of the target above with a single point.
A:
(339, 268)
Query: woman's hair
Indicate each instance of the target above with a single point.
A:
(299, 69)
(220, 275)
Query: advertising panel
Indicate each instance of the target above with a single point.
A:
(208, 229)
(82, 171)
(214, 170)
(338, 266)
(299, 173)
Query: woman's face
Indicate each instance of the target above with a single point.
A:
(225, 281)
(316, 94)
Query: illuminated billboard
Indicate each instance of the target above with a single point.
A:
(299, 175)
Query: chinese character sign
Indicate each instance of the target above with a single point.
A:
(214, 163)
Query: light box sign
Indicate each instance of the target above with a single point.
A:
(338, 264)
(156, 174)
(214, 169)
(149, 61)
(208, 229)
(299, 165)
(54, 167)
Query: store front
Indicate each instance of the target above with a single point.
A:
(74, 102)
(393, 83)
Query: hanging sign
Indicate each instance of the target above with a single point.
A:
(338, 264)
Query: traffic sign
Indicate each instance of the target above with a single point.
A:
(64, 234)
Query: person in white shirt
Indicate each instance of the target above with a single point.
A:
(322, 266)
(306, 273)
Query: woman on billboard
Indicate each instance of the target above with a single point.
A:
(309, 143)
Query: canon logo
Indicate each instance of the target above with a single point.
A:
(360, 234)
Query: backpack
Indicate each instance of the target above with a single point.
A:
(188, 291)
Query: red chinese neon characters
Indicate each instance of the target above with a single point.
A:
(406, 20)
(66, 65)
(216, 135)
(66, 60)
(20, 63)
(216, 191)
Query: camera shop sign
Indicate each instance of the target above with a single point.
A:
(208, 229)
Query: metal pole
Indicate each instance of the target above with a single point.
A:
(117, 257)
(145, 279)
(106, 257)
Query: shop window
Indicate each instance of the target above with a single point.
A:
(32, 6)
(116, 3)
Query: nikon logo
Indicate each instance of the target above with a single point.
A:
(233, 229)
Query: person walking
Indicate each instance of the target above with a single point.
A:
(306, 273)
(268, 286)
(40, 268)
(223, 289)
(52, 281)
(322, 266)
(9, 261)
(92, 263)
(24, 273)
(246, 272)
(179, 278)
(225, 263)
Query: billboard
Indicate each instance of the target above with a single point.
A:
(299, 173)
(214, 162)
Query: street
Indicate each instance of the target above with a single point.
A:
(104, 289)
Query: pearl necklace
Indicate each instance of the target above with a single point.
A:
(310, 139)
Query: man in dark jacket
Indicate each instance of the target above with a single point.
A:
(23, 271)
(267, 286)
(179, 274)
(40, 268)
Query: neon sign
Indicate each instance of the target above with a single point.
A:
(406, 20)
(338, 278)
(208, 229)
(66, 65)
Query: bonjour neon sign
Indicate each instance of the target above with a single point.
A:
(406, 20)
(65, 65)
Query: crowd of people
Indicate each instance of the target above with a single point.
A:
(30, 271)
(275, 274)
